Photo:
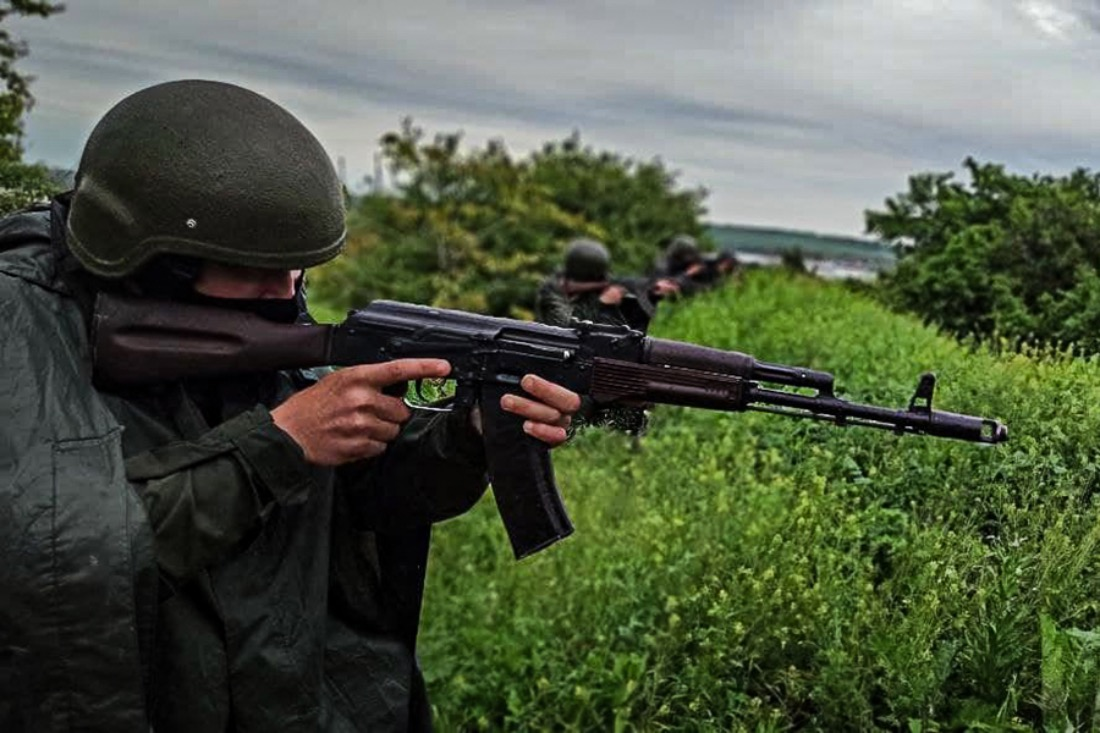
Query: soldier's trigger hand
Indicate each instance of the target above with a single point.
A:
(346, 416)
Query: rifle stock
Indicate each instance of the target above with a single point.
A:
(141, 342)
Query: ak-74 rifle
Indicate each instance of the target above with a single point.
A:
(137, 341)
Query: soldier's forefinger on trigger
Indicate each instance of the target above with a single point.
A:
(408, 370)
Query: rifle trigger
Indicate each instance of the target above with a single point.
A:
(423, 401)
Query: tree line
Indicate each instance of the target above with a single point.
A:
(478, 229)
(20, 182)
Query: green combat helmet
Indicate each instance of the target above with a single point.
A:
(586, 260)
(206, 170)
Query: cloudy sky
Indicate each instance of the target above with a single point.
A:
(795, 113)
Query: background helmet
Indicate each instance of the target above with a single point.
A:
(587, 260)
(207, 170)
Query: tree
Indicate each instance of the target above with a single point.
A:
(16, 98)
(1000, 255)
(20, 183)
(636, 203)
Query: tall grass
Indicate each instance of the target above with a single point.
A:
(750, 572)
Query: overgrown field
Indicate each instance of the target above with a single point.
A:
(751, 572)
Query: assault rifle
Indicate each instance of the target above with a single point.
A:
(142, 341)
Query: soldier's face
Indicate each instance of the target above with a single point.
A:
(230, 281)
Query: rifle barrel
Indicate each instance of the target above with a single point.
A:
(937, 423)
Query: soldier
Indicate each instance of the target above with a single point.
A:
(682, 262)
(585, 290)
(237, 554)
(692, 270)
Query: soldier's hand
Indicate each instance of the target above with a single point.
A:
(612, 295)
(695, 269)
(346, 416)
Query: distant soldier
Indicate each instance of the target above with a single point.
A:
(585, 290)
(690, 269)
(682, 256)
(680, 262)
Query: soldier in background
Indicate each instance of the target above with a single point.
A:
(682, 256)
(692, 270)
(682, 261)
(585, 290)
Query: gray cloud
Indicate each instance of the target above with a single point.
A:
(792, 112)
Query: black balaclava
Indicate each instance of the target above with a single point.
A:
(173, 277)
(279, 310)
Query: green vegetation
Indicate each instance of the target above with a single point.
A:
(751, 572)
(763, 240)
(477, 230)
(21, 184)
(1000, 255)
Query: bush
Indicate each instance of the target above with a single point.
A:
(22, 185)
(1000, 256)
